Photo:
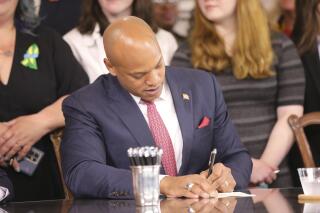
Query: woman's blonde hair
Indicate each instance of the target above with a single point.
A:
(252, 53)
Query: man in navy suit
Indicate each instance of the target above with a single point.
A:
(111, 115)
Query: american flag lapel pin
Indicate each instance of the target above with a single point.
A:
(185, 97)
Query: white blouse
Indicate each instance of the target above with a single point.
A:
(89, 50)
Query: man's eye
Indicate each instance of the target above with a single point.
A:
(137, 76)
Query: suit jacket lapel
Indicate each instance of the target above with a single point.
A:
(313, 66)
(126, 108)
(184, 112)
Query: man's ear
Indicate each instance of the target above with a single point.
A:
(110, 67)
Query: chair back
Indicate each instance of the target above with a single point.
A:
(298, 124)
(56, 141)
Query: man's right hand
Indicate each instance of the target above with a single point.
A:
(177, 187)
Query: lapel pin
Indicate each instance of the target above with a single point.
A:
(185, 96)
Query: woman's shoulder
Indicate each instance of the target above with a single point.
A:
(279, 38)
(182, 56)
(73, 34)
(76, 38)
(39, 32)
(184, 49)
(43, 36)
(282, 44)
(165, 35)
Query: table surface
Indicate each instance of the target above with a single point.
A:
(266, 200)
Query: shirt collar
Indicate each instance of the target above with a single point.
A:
(163, 96)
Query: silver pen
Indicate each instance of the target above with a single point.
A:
(211, 161)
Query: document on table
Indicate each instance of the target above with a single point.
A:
(234, 194)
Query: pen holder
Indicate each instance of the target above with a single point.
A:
(146, 187)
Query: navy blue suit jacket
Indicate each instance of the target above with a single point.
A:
(103, 121)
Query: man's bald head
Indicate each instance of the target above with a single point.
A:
(128, 36)
(134, 57)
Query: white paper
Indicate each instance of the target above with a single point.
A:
(234, 194)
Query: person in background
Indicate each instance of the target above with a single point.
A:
(37, 71)
(287, 16)
(261, 76)
(86, 40)
(61, 15)
(273, 12)
(165, 15)
(306, 34)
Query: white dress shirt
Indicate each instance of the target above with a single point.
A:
(88, 49)
(166, 109)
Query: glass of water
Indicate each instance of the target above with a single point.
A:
(310, 180)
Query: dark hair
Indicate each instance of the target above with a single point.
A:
(25, 17)
(306, 27)
(92, 14)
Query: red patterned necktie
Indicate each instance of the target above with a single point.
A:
(162, 139)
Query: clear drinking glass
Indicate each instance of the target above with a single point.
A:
(310, 180)
(146, 184)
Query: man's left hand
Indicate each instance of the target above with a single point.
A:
(221, 178)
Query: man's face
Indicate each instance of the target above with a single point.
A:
(141, 72)
(165, 13)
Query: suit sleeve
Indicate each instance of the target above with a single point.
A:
(84, 157)
(230, 150)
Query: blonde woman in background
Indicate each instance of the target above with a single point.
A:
(260, 74)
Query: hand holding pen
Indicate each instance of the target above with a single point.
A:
(219, 175)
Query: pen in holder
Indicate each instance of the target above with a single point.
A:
(145, 166)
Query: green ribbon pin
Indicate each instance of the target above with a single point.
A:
(30, 57)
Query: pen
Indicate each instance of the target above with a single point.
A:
(211, 161)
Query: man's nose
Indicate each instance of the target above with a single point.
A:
(153, 78)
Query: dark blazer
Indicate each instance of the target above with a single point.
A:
(103, 121)
(311, 63)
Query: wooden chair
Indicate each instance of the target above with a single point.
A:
(56, 141)
(297, 125)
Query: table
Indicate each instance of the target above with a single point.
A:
(266, 200)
